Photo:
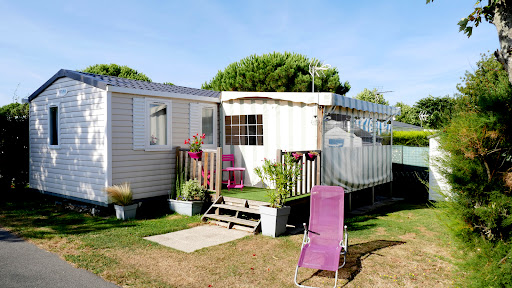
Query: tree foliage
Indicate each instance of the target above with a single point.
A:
(275, 72)
(372, 96)
(438, 109)
(117, 71)
(479, 162)
(408, 114)
(14, 143)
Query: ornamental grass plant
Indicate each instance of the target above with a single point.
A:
(120, 194)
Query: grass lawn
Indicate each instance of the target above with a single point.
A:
(398, 246)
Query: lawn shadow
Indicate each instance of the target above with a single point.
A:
(353, 265)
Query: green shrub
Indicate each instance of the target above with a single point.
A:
(282, 177)
(411, 138)
(192, 190)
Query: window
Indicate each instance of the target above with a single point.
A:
(244, 130)
(158, 125)
(203, 120)
(53, 125)
(207, 125)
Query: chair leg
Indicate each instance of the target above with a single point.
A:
(303, 286)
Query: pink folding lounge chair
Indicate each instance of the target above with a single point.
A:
(326, 238)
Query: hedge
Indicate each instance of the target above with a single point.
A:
(411, 138)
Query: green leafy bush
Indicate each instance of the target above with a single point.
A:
(14, 141)
(281, 176)
(478, 167)
(192, 190)
(411, 138)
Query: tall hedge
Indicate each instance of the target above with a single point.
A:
(411, 138)
(14, 143)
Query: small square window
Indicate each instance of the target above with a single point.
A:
(227, 120)
(251, 119)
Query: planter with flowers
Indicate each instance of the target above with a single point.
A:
(195, 146)
(280, 179)
(122, 197)
(311, 156)
(190, 198)
(297, 156)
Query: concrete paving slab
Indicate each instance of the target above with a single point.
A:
(190, 240)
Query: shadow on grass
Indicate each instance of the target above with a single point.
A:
(40, 218)
(353, 265)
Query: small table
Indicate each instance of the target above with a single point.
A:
(232, 184)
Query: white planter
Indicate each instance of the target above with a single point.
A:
(188, 208)
(126, 212)
(273, 220)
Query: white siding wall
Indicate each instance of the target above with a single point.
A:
(151, 173)
(286, 126)
(77, 168)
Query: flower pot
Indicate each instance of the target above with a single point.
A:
(297, 157)
(188, 208)
(311, 156)
(126, 212)
(195, 155)
(273, 220)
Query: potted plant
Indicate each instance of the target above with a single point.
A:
(311, 155)
(279, 179)
(297, 156)
(189, 198)
(122, 197)
(195, 146)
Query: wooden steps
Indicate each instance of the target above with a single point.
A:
(235, 213)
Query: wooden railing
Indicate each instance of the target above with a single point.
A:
(311, 171)
(207, 170)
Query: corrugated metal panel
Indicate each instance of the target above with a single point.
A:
(139, 134)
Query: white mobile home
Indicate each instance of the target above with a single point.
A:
(354, 135)
(90, 131)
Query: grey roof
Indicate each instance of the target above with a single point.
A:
(401, 126)
(101, 81)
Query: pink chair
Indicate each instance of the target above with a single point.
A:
(326, 239)
(228, 158)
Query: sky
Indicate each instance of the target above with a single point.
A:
(404, 46)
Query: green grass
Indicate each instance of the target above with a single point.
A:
(105, 246)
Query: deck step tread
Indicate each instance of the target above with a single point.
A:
(233, 220)
(237, 208)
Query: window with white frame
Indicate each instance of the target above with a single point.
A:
(53, 125)
(157, 124)
(203, 120)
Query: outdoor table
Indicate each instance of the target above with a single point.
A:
(232, 183)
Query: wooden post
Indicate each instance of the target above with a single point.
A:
(205, 170)
(218, 175)
(279, 155)
(318, 169)
(212, 160)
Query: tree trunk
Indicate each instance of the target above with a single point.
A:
(503, 22)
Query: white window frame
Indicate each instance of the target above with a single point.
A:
(214, 107)
(59, 113)
(148, 146)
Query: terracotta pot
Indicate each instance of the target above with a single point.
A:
(196, 155)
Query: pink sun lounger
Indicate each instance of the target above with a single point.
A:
(326, 238)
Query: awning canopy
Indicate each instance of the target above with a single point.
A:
(319, 98)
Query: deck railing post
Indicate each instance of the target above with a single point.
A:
(218, 174)
(279, 154)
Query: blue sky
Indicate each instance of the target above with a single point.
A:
(404, 46)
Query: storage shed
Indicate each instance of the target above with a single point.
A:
(90, 131)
